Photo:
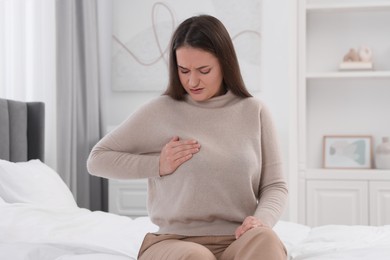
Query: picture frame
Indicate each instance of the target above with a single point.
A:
(347, 151)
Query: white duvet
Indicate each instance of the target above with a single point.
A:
(64, 233)
(70, 233)
(39, 220)
(344, 242)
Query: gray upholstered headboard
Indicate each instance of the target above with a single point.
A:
(22, 130)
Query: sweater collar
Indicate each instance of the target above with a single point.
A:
(215, 102)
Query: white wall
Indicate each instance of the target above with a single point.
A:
(278, 82)
(277, 79)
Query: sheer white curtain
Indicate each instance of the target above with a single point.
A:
(49, 52)
(27, 59)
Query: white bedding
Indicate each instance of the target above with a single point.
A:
(34, 232)
(344, 242)
(43, 251)
(39, 220)
(63, 231)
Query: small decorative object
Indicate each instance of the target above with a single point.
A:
(365, 54)
(347, 152)
(382, 154)
(357, 59)
(352, 56)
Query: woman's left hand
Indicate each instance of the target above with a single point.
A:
(249, 223)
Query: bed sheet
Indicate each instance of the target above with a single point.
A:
(344, 242)
(41, 251)
(32, 228)
(77, 233)
(32, 232)
(367, 253)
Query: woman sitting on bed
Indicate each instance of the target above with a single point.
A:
(209, 151)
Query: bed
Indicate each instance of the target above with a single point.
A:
(39, 218)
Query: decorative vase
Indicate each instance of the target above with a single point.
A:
(365, 54)
(382, 154)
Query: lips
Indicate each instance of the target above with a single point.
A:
(196, 90)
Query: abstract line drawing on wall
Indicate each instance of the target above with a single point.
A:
(142, 31)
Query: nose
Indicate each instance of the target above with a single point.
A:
(193, 80)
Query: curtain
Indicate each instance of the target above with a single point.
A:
(49, 52)
(78, 99)
(27, 59)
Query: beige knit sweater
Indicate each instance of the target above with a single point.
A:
(237, 172)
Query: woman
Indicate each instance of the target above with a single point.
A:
(209, 151)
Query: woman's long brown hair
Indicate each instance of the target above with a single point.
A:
(209, 34)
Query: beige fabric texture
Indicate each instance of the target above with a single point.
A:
(237, 172)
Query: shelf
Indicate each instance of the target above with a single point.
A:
(337, 6)
(355, 174)
(348, 74)
(331, 100)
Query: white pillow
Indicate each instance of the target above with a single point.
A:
(33, 182)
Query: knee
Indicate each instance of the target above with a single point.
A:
(266, 237)
(199, 252)
(265, 233)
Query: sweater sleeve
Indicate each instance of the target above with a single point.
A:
(273, 188)
(131, 150)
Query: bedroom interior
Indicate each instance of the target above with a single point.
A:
(338, 211)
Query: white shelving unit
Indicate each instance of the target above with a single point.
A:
(351, 75)
(346, 5)
(342, 103)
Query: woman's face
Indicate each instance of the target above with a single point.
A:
(199, 72)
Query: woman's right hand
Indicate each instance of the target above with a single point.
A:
(175, 153)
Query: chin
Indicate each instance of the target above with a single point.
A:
(198, 98)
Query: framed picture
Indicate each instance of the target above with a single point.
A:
(347, 152)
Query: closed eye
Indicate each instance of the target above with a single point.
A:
(205, 71)
(184, 71)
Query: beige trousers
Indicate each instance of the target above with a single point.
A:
(256, 244)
